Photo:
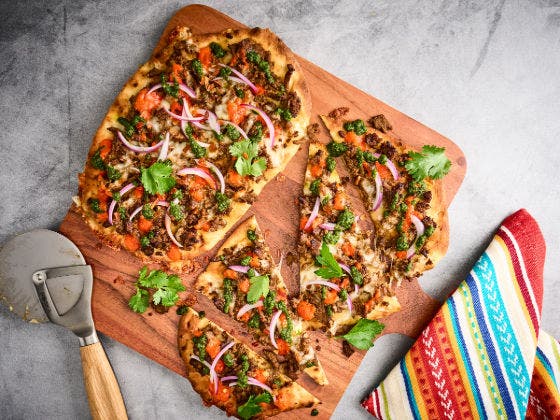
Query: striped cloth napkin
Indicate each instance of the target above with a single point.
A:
(483, 355)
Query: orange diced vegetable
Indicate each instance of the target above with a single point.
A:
(306, 310)
(131, 243)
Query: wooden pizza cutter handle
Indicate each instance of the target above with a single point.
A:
(104, 394)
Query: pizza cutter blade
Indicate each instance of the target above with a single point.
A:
(44, 277)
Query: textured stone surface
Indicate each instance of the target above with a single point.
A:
(483, 73)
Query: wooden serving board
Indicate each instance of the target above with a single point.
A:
(154, 335)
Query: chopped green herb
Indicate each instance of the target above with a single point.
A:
(357, 277)
(197, 149)
(240, 93)
(157, 178)
(329, 310)
(368, 157)
(336, 149)
(269, 302)
(228, 294)
(382, 159)
(222, 201)
(402, 243)
(416, 188)
(256, 133)
(175, 211)
(130, 126)
(165, 287)
(262, 65)
(178, 194)
(331, 237)
(246, 260)
(232, 132)
(363, 333)
(200, 346)
(242, 374)
(314, 186)
(252, 235)
(284, 113)
(147, 211)
(94, 205)
(314, 412)
(343, 294)
(345, 219)
(259, 287)
(217, 50)
(329, 267)
(254, 321)
(168, 88)
(246, 151)
(331, 164)
(96, 161)
(357, 126)
(228, 359)
(112, 173)
(144, 241)
(430, 163)
(252, 406)
(116, 196)
(196, 67)
(122, 213)
(181, 310)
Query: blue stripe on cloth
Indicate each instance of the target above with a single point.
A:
(498, 375)
(504, 334)
(409, 393)
(546, 363)
(466, 359)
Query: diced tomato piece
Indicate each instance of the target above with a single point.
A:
(255, 262)
(348, 249)
(234, 179)
(105, 147)
(144, 225)
(205, 56)
(283, 347)
(244, 285)
(306, 310)
(213, 347)
(220, 365)
(245, 317)
(317, 169)
(223, 393)
(260, 375)
(145, 103)
(138, 192)
(176, 108)
(339, 201)
(332, 296)
(236, 112)
(131, 243)
(401, 255)
(383, 171)
(176, 70)
(353, 139)
(102, 217)
(174, 253)
(230, 274)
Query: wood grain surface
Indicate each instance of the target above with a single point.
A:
(154, 335)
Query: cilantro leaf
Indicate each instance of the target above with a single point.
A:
(140, 301)
(430, 163)
(259, 287)
(330, 268)
(245, 151)
(166, 288)
(157, 178)
(252, 407)
(363, 333)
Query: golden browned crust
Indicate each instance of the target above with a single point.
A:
(282, 56)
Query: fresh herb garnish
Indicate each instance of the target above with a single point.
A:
(225, 72)
(196, 67)
(240, 93)
(259, 287)
(147, 211)
(252, 406)
(254, 321)
(245, 151)
(94, 205)
(228, 294)
(112, 173)
(170, 89)
(130, 126)
(254, 58)
(228, 359)
(181, 310)
(96, 161)
(242, 374)
(331, 163)
(357, 126)
(314, 186)
(357, 277)
(175, 211)
(232, 132)
(222, 201)
(217, 50)
(430, 163)
(157, 178)
(245, 260)
(336, 149)
(269, 302)
(329, 267)
(256, 133)
(252, 235)
(345, 219)
(363, 333)
(284, 113)
(165, 289)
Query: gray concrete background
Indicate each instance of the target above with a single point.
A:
(484, 73)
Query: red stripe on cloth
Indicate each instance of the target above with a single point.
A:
(368, 404)
(531, 242)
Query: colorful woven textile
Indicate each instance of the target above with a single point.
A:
(478, 357)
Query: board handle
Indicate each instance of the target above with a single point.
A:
(104, 395)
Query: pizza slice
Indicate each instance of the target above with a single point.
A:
(231, 376)
(190, 142)
(341, 276)
(245, 283)
(400, 189)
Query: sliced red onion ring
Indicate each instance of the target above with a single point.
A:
(164, 148)
(184, 124)
(232, 78)
(162, 203)
(180, 117)
(313, 214)
(356, 289)
(219, 175)
(198, 172)
(241, 131)
(246, 308)
(169, 232)
(138, 149)
(242, 269)
(217, 358)
(345, 268)
(192, 118)
(122, 192)
(349, 303)
(272, 328)
(327, 226)
(419, 232)
(255, 382)
(135, 212)
(390, 165)
(213, 122)
(266, 119)
(213, 374)
(182, 86)
(242, 78)
(378, 191)
(187, 90)
(228, 378)
(323, 283)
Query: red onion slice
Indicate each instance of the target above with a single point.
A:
(255, 382)
(242, 269)
(164, 148)
(213, 374)
(187, 90)
(122, 192)
(419, 232)
(313, 214)
(349, 303)
(246, 308)
(345, 268)
(327, 226)
(390, 165)
(272, 328)
(135, 212)
(217, 358)
(323, 283)
(241, 131)
(378, 191)
(180, 117)
(213, 122)
(228, 378)
(266, 119)
(162, 203)
(155, 87)
(198, 172)
(219, 175)
(192, 118)
(356, 289)
(242, 77)
(138, 149)
(169, 232)
(184, 125)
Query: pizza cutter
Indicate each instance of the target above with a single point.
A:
(44, 277)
